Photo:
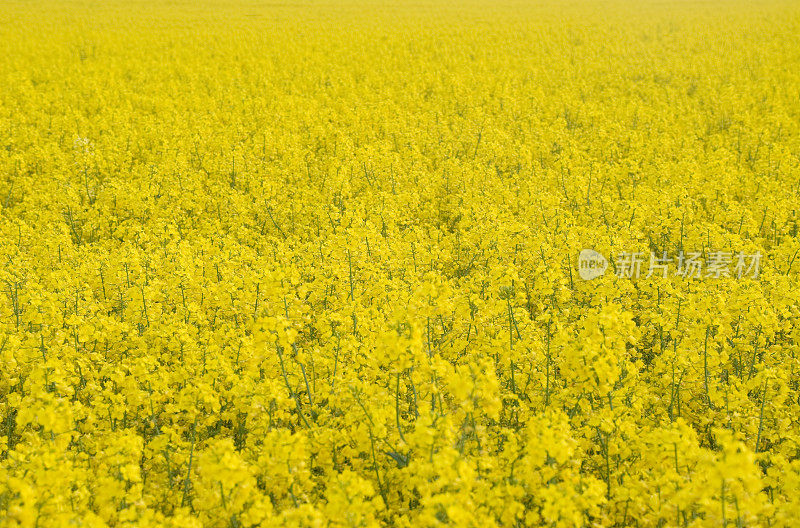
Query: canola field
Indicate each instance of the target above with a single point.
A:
(399, 263)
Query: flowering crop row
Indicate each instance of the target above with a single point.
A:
(277, 264)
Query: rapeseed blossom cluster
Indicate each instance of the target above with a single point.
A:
(281, 264)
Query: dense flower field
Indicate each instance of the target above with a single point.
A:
(283, 264)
